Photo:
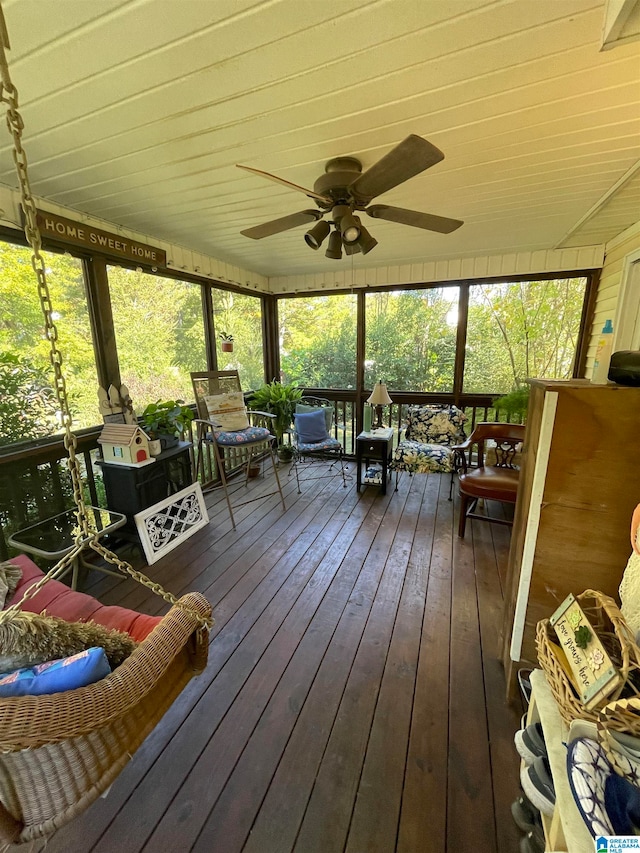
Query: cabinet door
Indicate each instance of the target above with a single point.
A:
(579, 485)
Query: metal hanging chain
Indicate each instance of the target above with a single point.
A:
(86, 535)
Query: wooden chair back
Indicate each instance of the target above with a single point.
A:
(506, 438)
(209, 382)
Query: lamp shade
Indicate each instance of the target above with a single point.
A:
(380, 395)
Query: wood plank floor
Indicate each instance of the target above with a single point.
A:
(353, 699)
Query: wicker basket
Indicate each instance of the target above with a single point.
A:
(616, 636)
(623, 715)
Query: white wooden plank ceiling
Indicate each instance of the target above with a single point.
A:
(137, 111)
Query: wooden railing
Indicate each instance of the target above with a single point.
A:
(35, 482)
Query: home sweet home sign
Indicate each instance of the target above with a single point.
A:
(65, 230)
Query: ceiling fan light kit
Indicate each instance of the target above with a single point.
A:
(334, 249)
(366, 241)
(345, 188)
(315, 236)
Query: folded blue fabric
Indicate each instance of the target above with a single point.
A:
(56, 676)
(311, 426)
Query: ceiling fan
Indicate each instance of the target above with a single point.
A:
(345, 188)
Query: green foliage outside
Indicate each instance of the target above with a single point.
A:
(22, 337)
(318, 341)
(159, 334)
(27, 403)
(519, 330)
(515, 331)
(240, 317)
(411, 339)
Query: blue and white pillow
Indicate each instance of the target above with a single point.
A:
(56, 676)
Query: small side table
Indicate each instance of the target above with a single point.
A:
(377, 446)
(130, 489)
(54, 537)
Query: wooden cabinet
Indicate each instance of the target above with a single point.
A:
(579, 485)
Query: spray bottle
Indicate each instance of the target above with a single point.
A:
(603, 355)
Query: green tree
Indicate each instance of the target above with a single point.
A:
(27, 402)
(22, 324)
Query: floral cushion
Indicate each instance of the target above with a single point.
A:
(419, 458)
(245, 436)
(436, 425)
(326, 444)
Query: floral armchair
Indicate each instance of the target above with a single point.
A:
(430, 435)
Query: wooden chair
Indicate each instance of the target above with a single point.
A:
(494, 479)
(231, 447)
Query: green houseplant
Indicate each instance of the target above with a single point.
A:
(514, 404)
(226, 341)
(165, 421)
(280, 400)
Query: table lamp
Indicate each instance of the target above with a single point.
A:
(379, 398)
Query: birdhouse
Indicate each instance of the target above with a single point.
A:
(125, 444)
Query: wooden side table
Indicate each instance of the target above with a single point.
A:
(375, 446)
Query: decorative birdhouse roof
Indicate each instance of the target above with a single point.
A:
(120, 435)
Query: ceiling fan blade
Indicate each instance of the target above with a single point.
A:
(428, 221)
(285, 183)
(282, 224)
(412, 156)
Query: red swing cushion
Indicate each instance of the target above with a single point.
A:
(58, 600)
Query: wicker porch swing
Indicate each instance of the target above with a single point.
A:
(59, 752)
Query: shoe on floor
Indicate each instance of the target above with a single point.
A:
(531, 844)
(537, 784)
(530, 743)
(524, 680)
(525, 815)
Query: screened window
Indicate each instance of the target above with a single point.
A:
(521, 329)
(411, 338)
(159, 334)
(28, 407)
(318, 340)
(240, 316)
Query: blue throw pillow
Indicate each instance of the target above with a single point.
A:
(328, 412)
(311, 426)
(56, 676)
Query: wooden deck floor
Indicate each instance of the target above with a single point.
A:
(353, 699)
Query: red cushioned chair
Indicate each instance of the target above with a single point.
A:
(497, 481)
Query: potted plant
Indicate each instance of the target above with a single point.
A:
(164, 422)
(280, 400)
(227, 342)
(514, 404)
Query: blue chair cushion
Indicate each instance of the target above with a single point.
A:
(243, 436)
(56, 676)
(311, 427)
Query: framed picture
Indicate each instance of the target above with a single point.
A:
(167, 524)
